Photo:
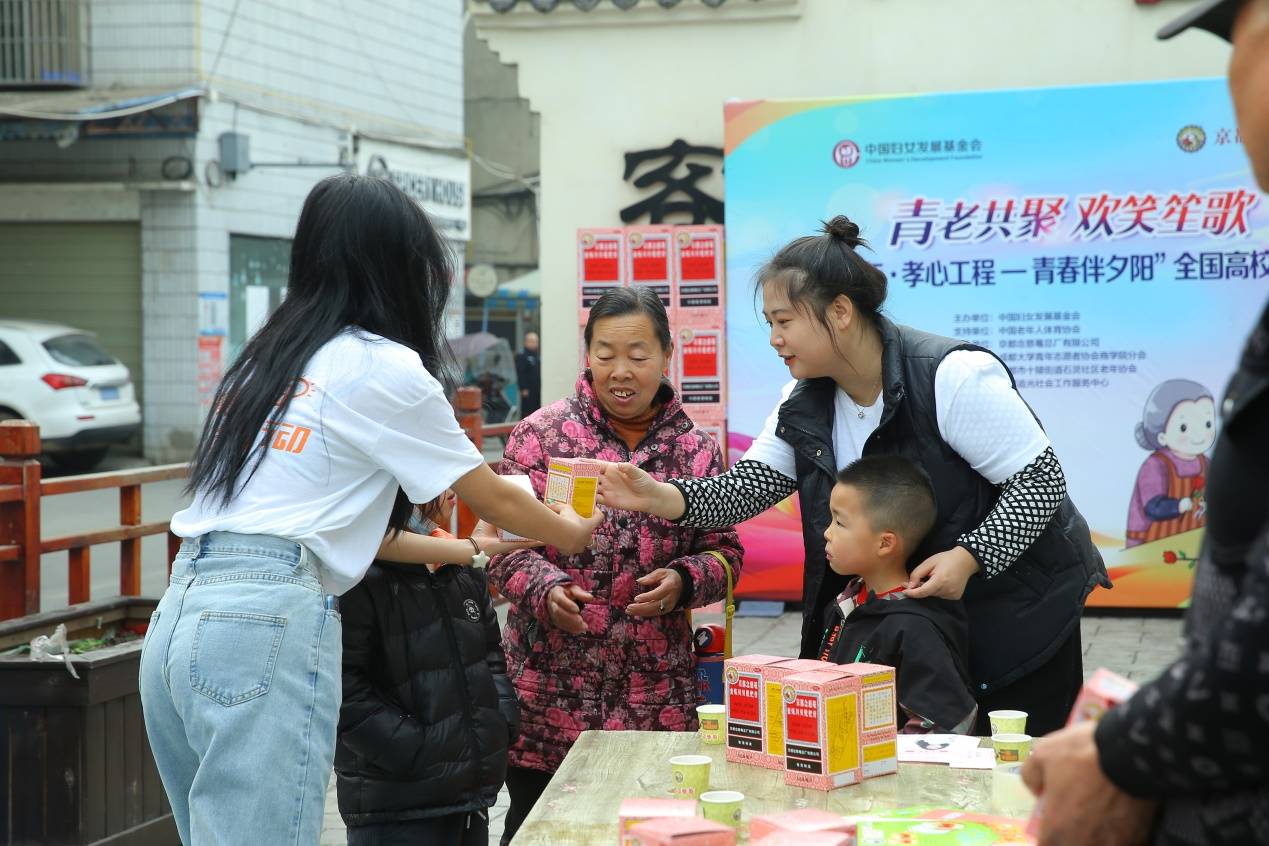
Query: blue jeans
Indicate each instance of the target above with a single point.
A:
(240, 683)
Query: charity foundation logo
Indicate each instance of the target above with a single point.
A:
(1191, 138)
(846, 153)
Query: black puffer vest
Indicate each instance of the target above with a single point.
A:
(428, 711)
(1017, 620)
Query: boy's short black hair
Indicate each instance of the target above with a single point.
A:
(897, 496)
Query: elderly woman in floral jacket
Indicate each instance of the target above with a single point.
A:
(601, 640)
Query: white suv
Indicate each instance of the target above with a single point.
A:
(61, 379)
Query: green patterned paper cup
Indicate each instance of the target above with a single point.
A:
(689, 775)
(1008, 722)
(711, 719)
(722, 806)
(1011, 748)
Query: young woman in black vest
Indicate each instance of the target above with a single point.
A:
(1008, 538)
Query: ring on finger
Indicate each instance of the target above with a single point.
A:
(661, 605)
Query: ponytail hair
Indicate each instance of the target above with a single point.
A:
(817, 269)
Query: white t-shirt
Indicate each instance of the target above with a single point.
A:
(979, 415)
(367, 417)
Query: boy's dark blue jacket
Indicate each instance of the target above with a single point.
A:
(428, 710)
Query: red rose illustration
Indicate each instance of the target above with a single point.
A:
(1169, 557)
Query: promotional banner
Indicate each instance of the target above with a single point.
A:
(1107, 242)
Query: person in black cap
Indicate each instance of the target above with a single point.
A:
(1186, 760)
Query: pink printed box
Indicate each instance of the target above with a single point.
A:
(878, 727)
(821, 729)
(636, 810)
(806, 838)
(773, 676)
(801, 821)
(683, 832)
(743, 696)
(1103, 690)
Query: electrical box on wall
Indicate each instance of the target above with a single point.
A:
(235, 153)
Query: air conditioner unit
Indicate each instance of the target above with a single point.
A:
(43, 43)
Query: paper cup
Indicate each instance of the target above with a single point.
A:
(1011, 748)
(711, 720)
(689, 775)
(1007, 722)
(722, 806)
(1009, 796)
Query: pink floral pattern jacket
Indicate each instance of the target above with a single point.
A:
(625, 673)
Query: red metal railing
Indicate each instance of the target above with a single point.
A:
(22, 490)
(21, 545)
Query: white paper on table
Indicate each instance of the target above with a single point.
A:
(935, 748)
(977, 759)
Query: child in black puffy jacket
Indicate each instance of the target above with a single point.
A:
(428, 712)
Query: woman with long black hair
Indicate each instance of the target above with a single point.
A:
(323, 432)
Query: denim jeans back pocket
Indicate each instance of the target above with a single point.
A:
(234, 654)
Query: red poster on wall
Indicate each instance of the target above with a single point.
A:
(700, 370)
(599, 264)
(698, 263)
(648, 261)
(210, 367)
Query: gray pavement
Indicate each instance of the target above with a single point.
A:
(1134, 646)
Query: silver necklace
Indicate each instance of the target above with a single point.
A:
(859, 409)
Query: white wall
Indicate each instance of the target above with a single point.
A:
(504, 133)
(396, 65)
(169, 270)
(185, 251)
(143, 42)
(617, 82)
(265, 201)
(393, 63)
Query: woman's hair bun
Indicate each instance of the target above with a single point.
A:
(842, 228)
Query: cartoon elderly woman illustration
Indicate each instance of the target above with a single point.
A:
(1178, 426)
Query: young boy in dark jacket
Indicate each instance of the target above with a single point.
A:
(882, 507)
(428, 711)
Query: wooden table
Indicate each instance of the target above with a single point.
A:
(580, 804)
